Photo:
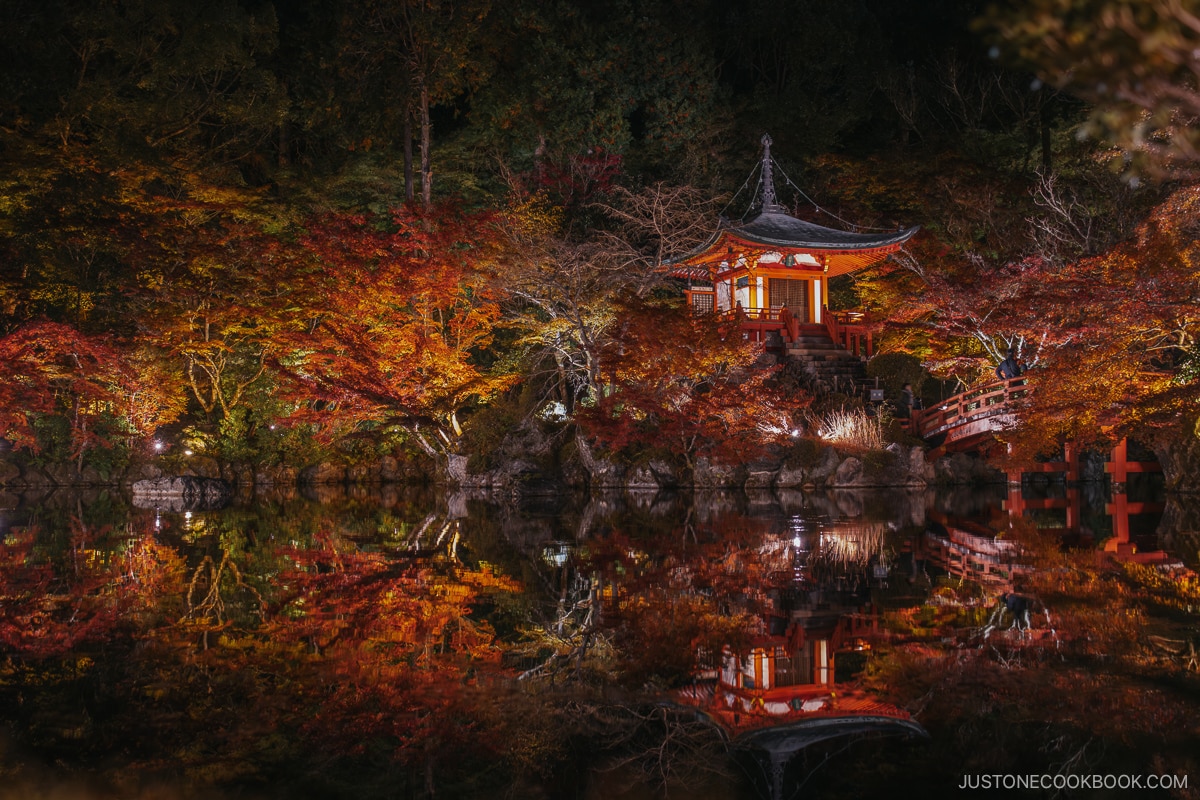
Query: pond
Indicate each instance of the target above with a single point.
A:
(405, 642)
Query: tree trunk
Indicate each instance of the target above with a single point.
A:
(408, 154)
(539, 161)
(426, 137)
(1047, 154)
(282, 158)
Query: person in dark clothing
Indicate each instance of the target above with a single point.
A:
(1009, 368)
(1018, 606)
(905, 406)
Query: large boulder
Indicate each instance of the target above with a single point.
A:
(811, 472)
(389, 469)
(276, 476)
(919, 467)
(655, 474)
(825, 467)
(758, 478)
(10, 474)
(893, 466)
(1180, 459)
(323, 473)
(202, 467)
(713, 475)
(961, 468)
(61, 474)
(363, 473)
(602, 472)
(141, 471)
(849, 473)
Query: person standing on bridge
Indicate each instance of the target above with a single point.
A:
(1009, 368)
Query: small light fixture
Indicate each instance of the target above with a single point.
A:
(187, 452)
(557, 554)
(158, 447)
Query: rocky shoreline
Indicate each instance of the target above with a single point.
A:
(896, 466)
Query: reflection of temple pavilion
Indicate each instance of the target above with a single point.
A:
(776, 260)
(787, 674)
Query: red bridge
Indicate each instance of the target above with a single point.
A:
(967, 420)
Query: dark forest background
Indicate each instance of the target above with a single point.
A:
(267, 229)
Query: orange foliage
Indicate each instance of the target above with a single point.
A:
(48, 367)
(685, 385)
(403, 307)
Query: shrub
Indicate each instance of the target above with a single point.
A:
(852, 429)
(804, 453)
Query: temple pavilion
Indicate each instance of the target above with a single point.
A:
(756, 269)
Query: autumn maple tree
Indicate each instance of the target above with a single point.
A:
(403, 308)
(50, 369)
(684, 384)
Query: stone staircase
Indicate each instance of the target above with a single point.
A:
(829, 367)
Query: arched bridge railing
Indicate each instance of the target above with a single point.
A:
(966, 417)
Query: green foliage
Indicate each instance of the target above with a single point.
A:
(1135, 60)
(487, 428)
(878, 463)
(107, 451)
(843, 294)
(896, 369)
(53, 433)
(804, 453)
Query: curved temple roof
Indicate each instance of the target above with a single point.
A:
(777, 229)
(774, 229)
(843, 251)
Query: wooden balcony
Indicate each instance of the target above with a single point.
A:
(848, 329)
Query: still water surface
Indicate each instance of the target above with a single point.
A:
(412, 643)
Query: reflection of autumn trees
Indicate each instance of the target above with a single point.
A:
(664, 597)
(72, 595)
(212, 663)
(1099, 695)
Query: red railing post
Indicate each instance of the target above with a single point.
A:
(1119, 465)
(1071, 456)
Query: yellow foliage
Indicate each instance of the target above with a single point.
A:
(535, 216)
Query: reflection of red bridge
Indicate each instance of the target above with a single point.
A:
(971, 419)
(970, 550)
(1122, 545)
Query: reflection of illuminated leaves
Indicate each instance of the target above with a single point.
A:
(53, 607)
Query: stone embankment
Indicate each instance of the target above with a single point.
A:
(896, 466)
(535, 473)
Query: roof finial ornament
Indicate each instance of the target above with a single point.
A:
(768, 180)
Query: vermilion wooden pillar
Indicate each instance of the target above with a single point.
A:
(1118, 465)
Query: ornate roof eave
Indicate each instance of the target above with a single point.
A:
(805, 236)
(727, 243)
